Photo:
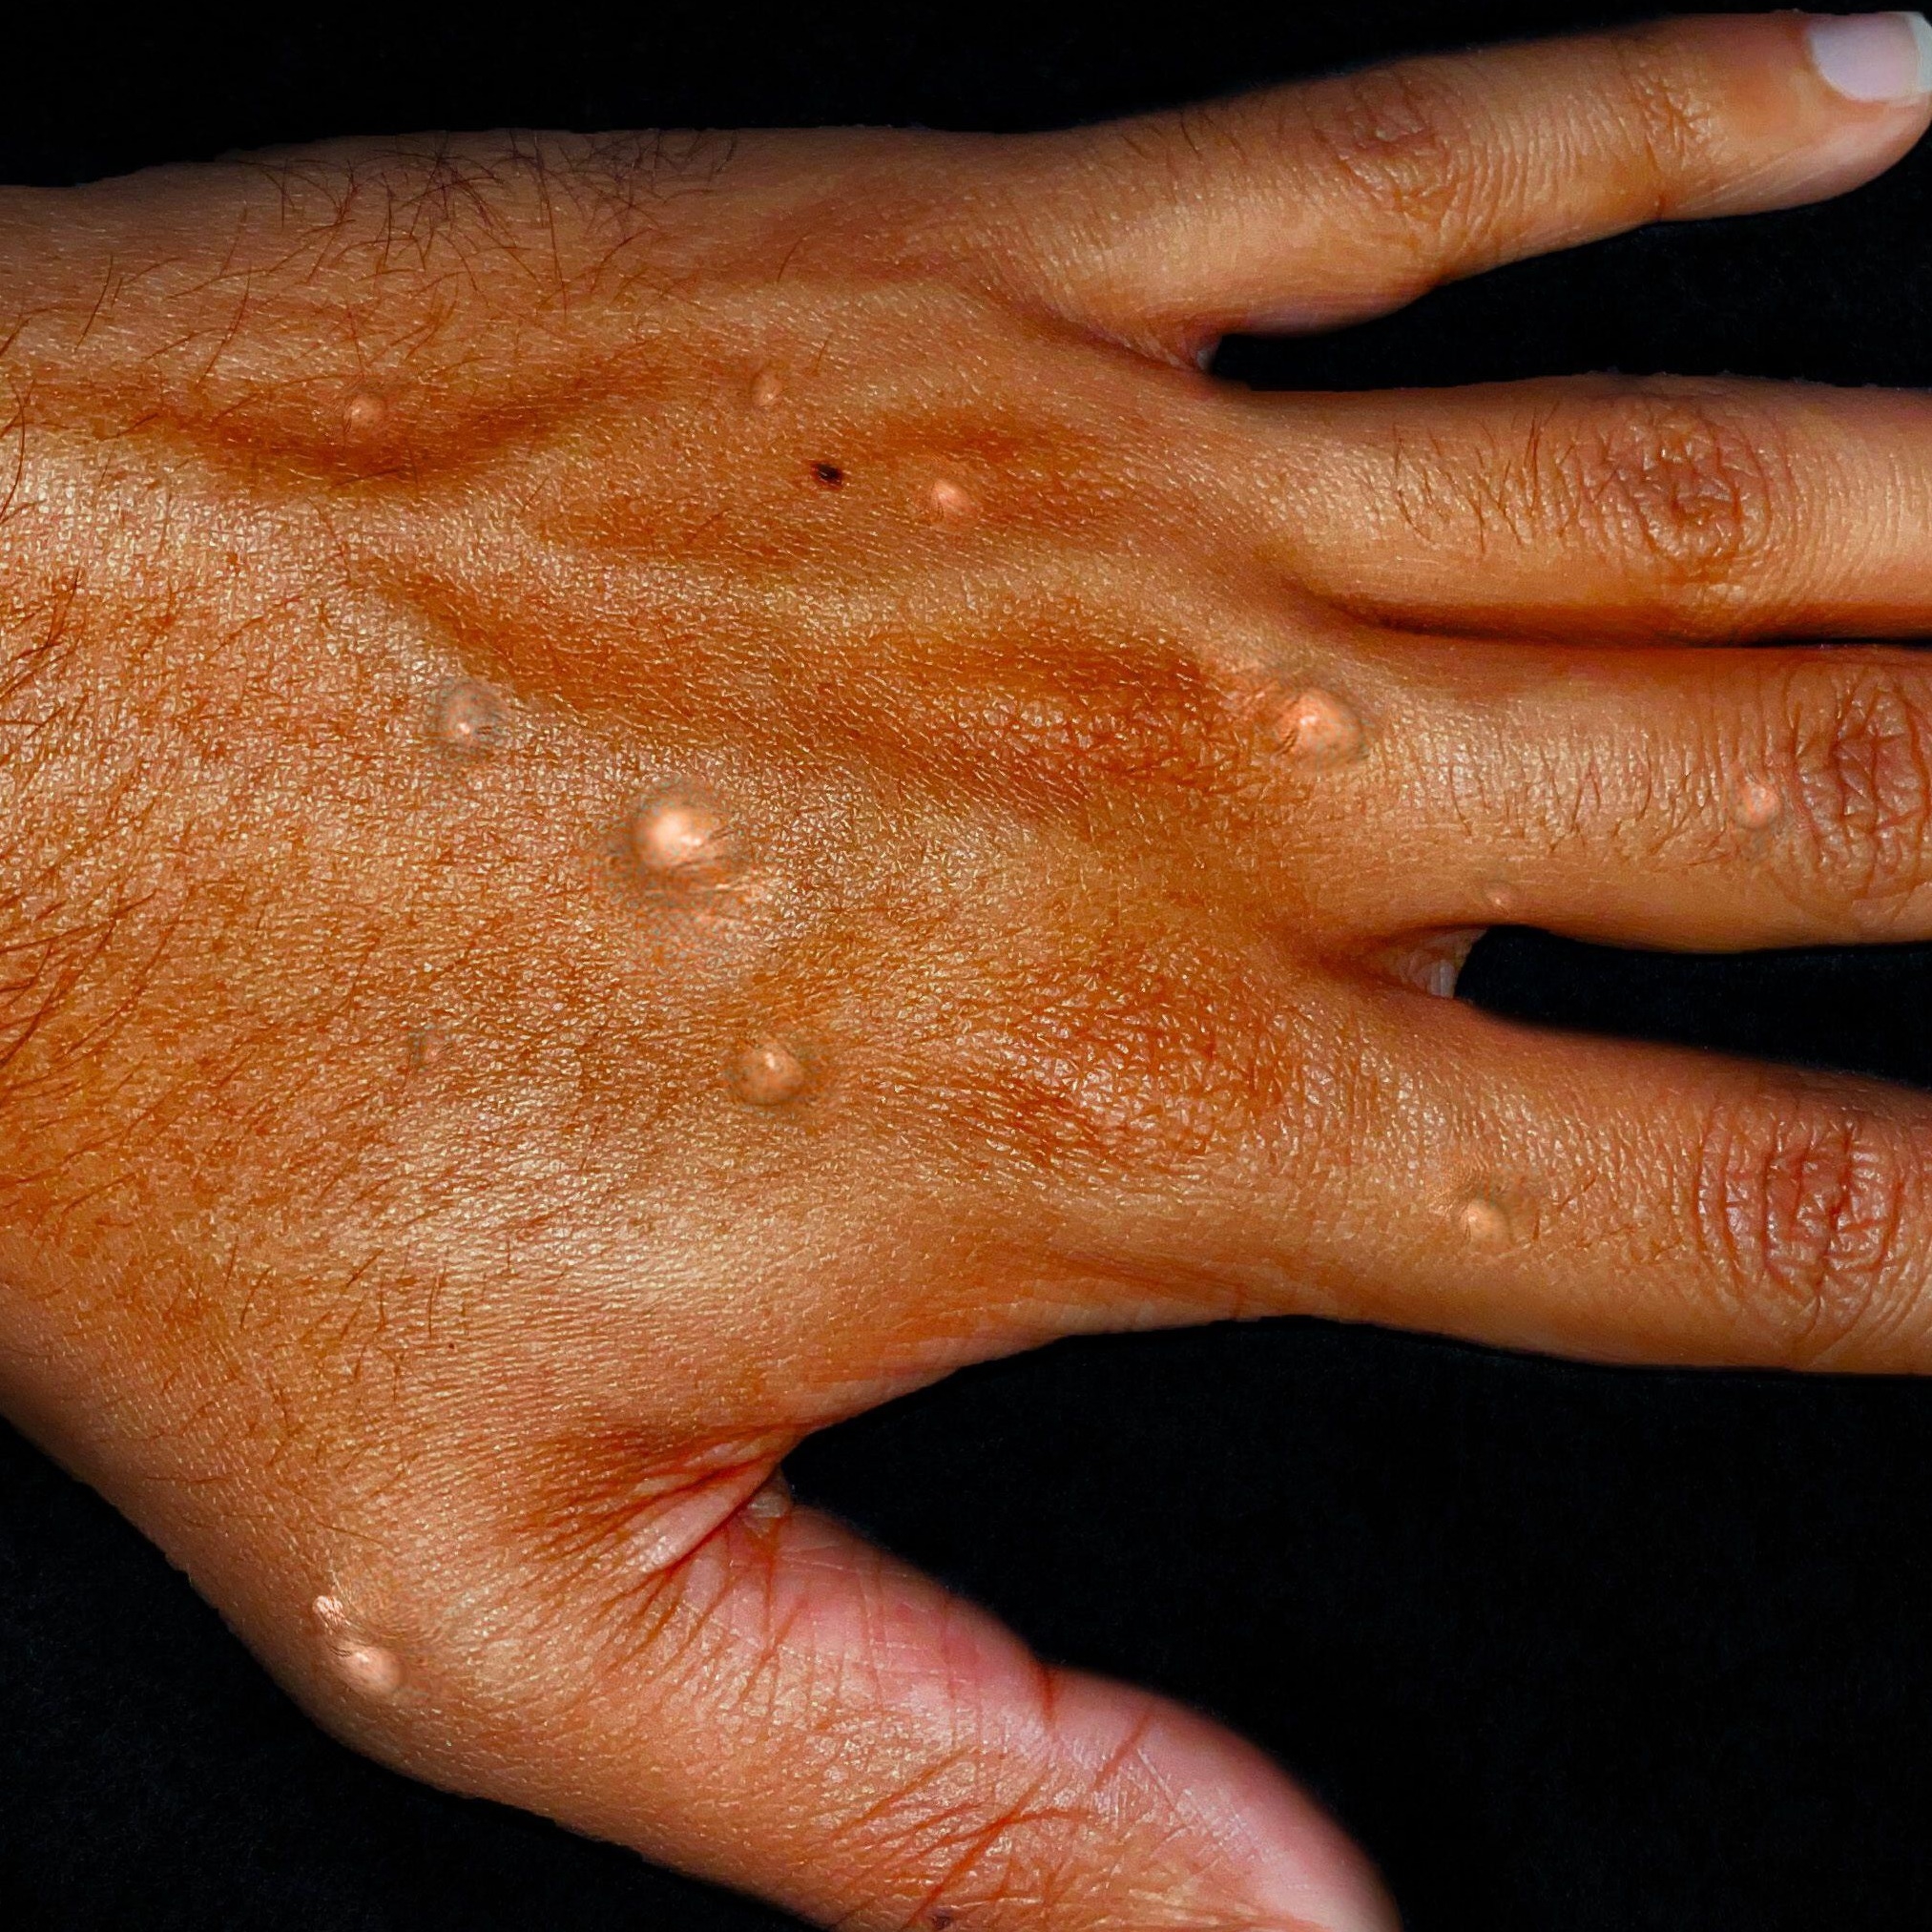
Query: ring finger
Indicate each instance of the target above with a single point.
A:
(1645, 1203)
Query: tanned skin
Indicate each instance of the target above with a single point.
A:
(658, 787)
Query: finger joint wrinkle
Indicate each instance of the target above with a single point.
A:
(1803, 1214)
(1677, 482)
(1861, 767)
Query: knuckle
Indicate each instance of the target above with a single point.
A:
(1399, 140)
(1690, 489)
(1857, 758)
(1802, 1215)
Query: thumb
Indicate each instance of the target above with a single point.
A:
(788, 1711)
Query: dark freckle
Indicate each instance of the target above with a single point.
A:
(829, 474)
(941, 1920)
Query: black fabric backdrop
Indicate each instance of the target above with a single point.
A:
(1563, 1646)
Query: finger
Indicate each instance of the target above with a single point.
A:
(1604, 508)
(1698, 799)
(1644, 1204)
(1317, 204)
(787, 1710)
(1578, 1197)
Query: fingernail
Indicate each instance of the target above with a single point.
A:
(1873, 56)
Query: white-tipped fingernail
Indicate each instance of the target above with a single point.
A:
(1873, 56)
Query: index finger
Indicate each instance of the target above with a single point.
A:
(1320, 203)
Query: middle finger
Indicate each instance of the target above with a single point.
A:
(1701, 799)
(1607, 507)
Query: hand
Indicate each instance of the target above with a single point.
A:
(658, 788)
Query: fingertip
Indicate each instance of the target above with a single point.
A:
(1823, 103)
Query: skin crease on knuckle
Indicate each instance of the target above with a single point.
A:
(1678, 491)
(1853, 756)
(521, 824)
(1807, 1218)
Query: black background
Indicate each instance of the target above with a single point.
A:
(1566, 1647)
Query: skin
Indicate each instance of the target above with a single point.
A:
(659, 788)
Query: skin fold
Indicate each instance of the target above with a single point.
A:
(658, 787)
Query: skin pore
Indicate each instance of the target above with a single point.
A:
(661, 787)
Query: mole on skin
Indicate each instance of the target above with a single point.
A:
(769, 1075)
(370, 1670)
(1484, 1223)
(770, 1505)
(469, 717)
(1315, 727)
(950, 502)
(1436, 965)
(766, 390)
(363, 412)
(673, 836)
(1756, 803)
